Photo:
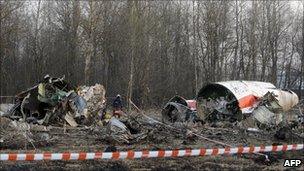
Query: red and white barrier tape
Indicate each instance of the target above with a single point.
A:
(146, 153)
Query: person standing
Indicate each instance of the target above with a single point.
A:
(117, 106)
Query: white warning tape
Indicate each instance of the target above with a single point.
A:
(147, 154)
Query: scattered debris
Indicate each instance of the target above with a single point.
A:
(127, 131)
(18, 134)
(53, 100)
(118, 131)
(253, 129)
(5, 108)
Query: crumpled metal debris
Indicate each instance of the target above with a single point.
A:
(5, 108)
(54, 99)
(179, 109)
(17, 134)
(269, 112)
(238, 100)
(125, 131)
(118, 131)
(220, 109)
(95, 99)
(43, 102)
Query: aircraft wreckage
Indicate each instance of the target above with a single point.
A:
(54, 99)
(233, 101)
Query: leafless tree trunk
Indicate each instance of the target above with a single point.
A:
(236, 46)
(36, 52)
(302, 58)
(253, 35)
(91, 41)
(1, 55)
(195, 48)
(133, 25)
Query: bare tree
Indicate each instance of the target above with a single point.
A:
(302, 56)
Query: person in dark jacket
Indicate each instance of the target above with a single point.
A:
(117, 106)
(117, 103)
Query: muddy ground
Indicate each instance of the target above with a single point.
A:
(94, 139)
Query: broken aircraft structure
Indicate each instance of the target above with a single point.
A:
(55, 99)
(234, 101)
(179, 109)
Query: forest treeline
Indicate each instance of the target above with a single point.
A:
(151, 50)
